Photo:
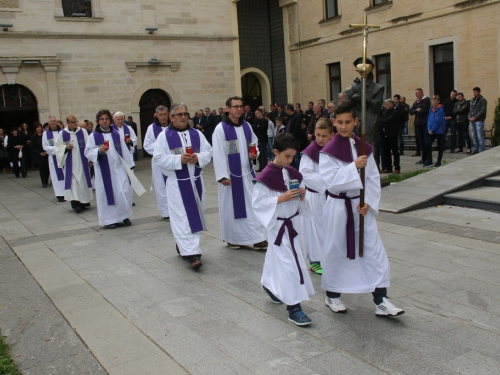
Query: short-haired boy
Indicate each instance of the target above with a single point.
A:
(343, 270)
(278, 207)
(312, 229)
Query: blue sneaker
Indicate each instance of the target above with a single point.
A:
(297, 317)
(111, 226)
(270, 294)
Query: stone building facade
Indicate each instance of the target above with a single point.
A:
(435, 45)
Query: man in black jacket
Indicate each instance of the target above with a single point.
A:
(448, 106)
(294, 127)
(14, 147)
(249, 116)
(460, 114)
(259, 126)
(401, 121)
(207, 123)
(420, 110)
(389, 127)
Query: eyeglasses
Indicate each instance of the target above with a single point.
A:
(237, 106)
(181, 114)
(72, 122)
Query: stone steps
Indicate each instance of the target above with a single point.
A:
(483, 198)
(492, 181)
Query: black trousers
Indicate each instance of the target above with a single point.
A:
(43, 168)
(262, 155)
(440, 142)
(391, 146)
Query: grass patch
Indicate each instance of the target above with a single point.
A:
(404, 176)
(7, 365)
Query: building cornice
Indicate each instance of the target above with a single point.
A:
(54, 35)
(132, 65)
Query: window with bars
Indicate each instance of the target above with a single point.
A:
(77, 8)
(383, 73)
(335, 80)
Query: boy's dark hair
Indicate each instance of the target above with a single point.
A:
(285, 141)
(103, 112)
(345, 107)
(280, 119)
(13, 128)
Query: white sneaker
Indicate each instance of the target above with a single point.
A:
(386, 308)
(336, 305)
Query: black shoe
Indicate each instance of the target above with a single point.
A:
(61, 199)
(133, 204)
(474, 153)
(196, 263)
(24, 175)
(17, 175)
(166, 218)
(78, 209)
(127, 222)
(177, 248)
(44, 185)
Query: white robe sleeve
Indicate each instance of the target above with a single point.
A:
(91, 149)
(60, 150)
(221, 166)
(265, 205)
(372, 185)
(48, 148)
(205, 154)
(149, 141)
(338, 177)
(127, 156)
(133, 136)
(162, 157)
(312, 178)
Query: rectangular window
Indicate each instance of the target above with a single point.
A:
(77, 8)
(332, 9)
(379, 2)
(383, 73)
(335, 81)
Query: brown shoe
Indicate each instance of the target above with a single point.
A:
(385, 171)
(196, 263)
(396, 171)
(416, 154)
(261, 245)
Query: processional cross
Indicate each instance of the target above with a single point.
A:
(363, 69)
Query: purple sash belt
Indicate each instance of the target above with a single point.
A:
(292, 233)
(69, 159)
(184, 179)
(156, 131)
(311, 190)
(104, 163)
(59, 171)
(350, 232)
(235, 169)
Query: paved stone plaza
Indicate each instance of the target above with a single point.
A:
(88, 300)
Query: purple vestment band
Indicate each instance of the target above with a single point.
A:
(157, 129)
(59, 171)
(69, 159)
(104, 163)
(313, 151)
(340, 148)
(292, 233)
(184, 178)
(349, 228)
(126, 130)
(235, 170)
(272, 177)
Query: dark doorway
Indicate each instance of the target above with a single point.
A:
(444, 71)
(17, 105)
(252, 92)
(148, 103)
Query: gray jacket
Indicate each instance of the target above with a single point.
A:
(478, 108)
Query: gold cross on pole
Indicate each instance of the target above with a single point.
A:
(364, 68)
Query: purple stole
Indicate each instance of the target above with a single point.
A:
(157, 129)
(69, 160)
(313, 152)
(104, 163)
(126, 131)
(234, 161)
(340, 148)
(59, 171)
(272, 178)
(184, 179)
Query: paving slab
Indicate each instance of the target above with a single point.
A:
(424, 188)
